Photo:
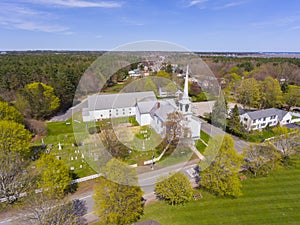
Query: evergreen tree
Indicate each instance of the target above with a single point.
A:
(219, 113)
(234, 125)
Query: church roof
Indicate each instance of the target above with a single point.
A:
(121, 100)
(164, 109)
(146, 106)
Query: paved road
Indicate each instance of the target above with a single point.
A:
(213, 131)
(146, 180)
(68, 114)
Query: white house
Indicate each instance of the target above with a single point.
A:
(144, 106)
(257, 120)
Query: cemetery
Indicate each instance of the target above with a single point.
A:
(84, 148)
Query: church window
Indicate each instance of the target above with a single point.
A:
(186, 108)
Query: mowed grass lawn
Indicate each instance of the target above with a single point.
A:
(274, 199)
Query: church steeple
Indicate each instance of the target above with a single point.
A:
(186, 85)
(185, 103)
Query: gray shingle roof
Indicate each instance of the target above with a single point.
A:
(164, 109)
(121, 100)
(267, 113)
(146, 106)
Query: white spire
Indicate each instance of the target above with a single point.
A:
(186, 84)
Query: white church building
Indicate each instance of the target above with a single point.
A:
(146, 108)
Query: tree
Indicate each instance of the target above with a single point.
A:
(175, 189)
(14, 163)
(286, 142)
(118, 198)
(8, 112)
(292, 97)
(54, 175)
(174, 126)
(171, 88)
(169, 69)
(260, 159)
(37, 100)
(163, 74)
(271, 94)
(194, 89)
(219, 112)
(150, 86)
(221, 176)
(248, 93)
(41, 210)
(235, 126)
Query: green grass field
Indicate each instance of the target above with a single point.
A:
(274, 199)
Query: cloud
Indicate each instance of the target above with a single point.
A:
(230, 4)
(14, 16)
(33, 26)
(77, 3)
(195, 2)
(295, 28)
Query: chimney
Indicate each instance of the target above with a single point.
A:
(158, 105)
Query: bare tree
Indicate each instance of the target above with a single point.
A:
(44, 210)
(14, 178)
(288, 143)
(261, 158)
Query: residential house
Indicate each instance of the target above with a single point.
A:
(260, 119)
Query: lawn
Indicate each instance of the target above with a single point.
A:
(259, 136)
(274, 199)
(204, 136)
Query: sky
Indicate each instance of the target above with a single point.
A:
(197, 25)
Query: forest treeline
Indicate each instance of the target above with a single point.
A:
(60, 71)
(63, 71)
(287, 69)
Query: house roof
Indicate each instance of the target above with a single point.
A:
(267, 113)
(121, 100)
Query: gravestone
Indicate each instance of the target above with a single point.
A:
(72, 168)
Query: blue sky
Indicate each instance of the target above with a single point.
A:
(199, 25)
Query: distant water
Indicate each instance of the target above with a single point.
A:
(282, 53)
